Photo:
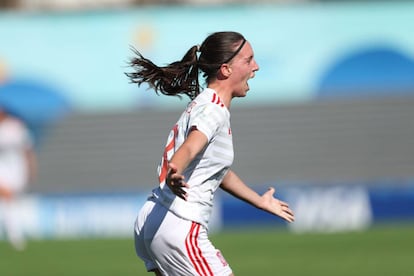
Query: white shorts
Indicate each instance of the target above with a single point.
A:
(174, 245)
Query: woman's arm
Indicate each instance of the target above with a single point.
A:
(236, 187)
(194, 144)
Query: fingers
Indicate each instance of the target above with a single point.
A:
(271, 191)
(176, 177)
(284, 203)
(175, 182)
(178, 191)
(177, 187)
(287, 213)
(288, 217)
(280, 208)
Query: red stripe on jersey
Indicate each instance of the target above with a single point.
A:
(170, 146)
(213, 100)
(194, 252)
(216, 99)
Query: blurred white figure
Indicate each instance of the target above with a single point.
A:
(17, 169)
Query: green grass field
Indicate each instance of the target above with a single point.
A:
(385, 250)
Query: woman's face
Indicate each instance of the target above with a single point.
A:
(243, 67)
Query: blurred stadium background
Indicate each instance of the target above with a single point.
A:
(329, 120)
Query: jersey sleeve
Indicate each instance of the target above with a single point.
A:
(208, 119)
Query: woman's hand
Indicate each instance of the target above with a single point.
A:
(276, 206)
(266, 202)
(175, 182)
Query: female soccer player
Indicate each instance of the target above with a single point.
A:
(171, 228)
(17, 169)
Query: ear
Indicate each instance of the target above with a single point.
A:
(225, 70)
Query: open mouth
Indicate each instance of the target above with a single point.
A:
(247, 81)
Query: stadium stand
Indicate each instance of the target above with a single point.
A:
(318, 141)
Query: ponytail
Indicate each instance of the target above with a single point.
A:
(175, 79)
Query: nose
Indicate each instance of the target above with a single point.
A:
(255, 66)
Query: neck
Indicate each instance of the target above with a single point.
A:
(224, 94)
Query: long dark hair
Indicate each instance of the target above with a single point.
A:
(181, 77)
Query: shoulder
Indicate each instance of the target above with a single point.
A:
(210, 96)
(209, 102)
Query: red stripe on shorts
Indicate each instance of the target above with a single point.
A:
(194, 252)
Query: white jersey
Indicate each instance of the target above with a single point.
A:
(205, 173)
(14, 141)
